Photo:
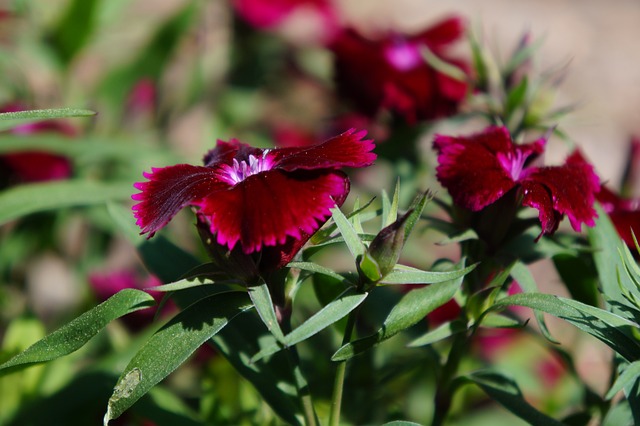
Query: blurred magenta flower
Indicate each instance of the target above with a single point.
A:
(142, 98)
(316, 19)
(390, 73)
(256, 198)
(36, 166)
(478, 170)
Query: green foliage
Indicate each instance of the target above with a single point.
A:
(172, 345)
(79, 331)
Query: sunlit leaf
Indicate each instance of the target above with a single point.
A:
(413, 307)
(334, 311)
(77, 332)
(172, 345)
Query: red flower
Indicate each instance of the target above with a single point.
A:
(625, 212)
(36, 166)
(256, 198)
(478, 170)
(390, 73)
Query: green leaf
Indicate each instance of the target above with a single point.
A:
(440, 65)
(413, 307)
(627, 379)
(506, 391)
(315, 268)
(32, 198)
(607, 244)
(261, 298)
(516, 97)
(522, 275)
(331, 313)
(9, 120)
(349, 234)
(79, 331)
(399, 276)
(418, 206)
(172, 345)
(613, 330)
(442, 332)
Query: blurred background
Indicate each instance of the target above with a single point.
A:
(169, 77)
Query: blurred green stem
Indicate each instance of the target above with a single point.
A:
(444, 391)
(338, 384)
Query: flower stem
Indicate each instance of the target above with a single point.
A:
(444, 391)
(338, 384)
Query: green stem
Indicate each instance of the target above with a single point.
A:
(338, 384)
(444, 391)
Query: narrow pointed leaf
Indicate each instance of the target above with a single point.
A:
(506, 391)
(79, 331)
(349, 234)
(333, 312)
(315, 268)
(32, 198)
(607, 243)
(523, 276)
(424, 277)
(418, 206)
(172, 345)
(9, 120)
(413, 307)
(261, 298)
(613, 330)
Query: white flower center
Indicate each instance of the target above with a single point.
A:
(513, 163)
(240, 170)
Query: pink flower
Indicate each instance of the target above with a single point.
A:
(317, 19)
(390, 73)
(36, 166)
(254, 198)
(480, 169)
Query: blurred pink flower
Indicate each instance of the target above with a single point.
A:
(317, 17)
(142, 97)
(390, 73)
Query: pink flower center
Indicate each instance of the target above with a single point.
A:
(402, 56)
(513, 163)
(240, 170)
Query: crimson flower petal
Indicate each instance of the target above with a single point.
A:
(442, 33)
(572, 186)
(168, 190)
(539, 197)
(468, 167)
(267, 208)
(345, 150)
